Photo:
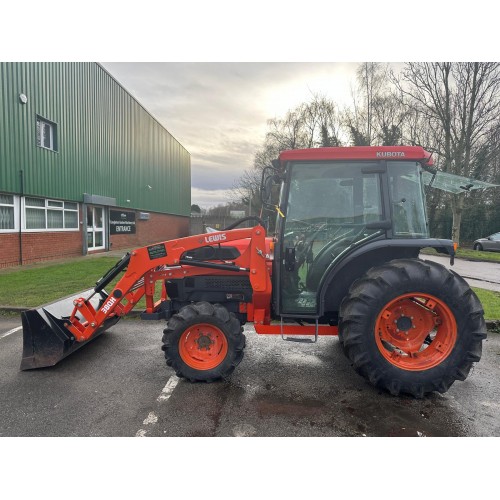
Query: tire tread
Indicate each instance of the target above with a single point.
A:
(360, 307)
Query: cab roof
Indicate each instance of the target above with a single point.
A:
(416, 153)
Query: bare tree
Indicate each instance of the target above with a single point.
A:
(322, 122)
(370, 78)
(389, 118)
(376, 115)
(312, 124)
(461, 103)
(358, 119)
(288, 132)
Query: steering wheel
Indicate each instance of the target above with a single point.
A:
(303, 247)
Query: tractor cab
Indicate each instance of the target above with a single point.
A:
(334, 201)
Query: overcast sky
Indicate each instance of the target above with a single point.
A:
(219, 111)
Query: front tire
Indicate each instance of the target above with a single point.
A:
(412, 327)
(203, 342)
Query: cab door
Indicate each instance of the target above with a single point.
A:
(328, 208)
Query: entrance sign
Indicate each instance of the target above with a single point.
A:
(121, 222)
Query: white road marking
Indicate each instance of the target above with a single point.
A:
(165, 394)
(150, 419)
(14, 330)
(169, 388)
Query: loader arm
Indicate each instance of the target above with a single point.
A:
(147, 265)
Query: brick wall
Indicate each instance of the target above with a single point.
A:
(9, 249)
(159, 227)
(39, 246)
(56, 245)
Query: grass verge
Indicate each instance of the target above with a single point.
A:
(36, 286)
(491, 303)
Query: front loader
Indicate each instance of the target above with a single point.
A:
(344, 260)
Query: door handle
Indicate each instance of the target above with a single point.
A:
(290, 258)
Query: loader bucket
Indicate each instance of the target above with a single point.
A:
(46, 341)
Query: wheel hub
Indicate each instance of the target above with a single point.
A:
(204, 341)
(203, 346)
(415, 331)
(404, 323)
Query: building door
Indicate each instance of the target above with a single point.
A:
(95, 228)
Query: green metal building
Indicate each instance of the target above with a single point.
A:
(83, 166)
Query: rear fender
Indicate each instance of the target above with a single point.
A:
(342, 274)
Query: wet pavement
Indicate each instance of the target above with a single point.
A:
(288, 389)
(119, 385)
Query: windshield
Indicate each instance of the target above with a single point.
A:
(333, 194)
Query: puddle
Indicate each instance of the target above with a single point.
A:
(269, 406)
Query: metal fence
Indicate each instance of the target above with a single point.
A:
(474, 225)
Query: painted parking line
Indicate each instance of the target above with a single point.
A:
(168, 389)
(14, 330)
(152, 418)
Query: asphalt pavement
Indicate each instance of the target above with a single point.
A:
(478, 274)
(119, 385)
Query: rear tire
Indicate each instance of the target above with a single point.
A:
(412, 327)
(203, 342)
(340, 337)
(478, 247)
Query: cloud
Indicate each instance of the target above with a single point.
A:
(219, 111)
(206, 198)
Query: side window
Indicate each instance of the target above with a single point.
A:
(407, 200)
(46, 134)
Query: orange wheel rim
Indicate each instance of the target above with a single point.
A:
(203, 346)
(415, 331)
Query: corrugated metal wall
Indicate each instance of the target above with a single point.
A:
(108, 144)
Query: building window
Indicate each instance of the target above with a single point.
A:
(50, 215)
(46, 134)
(8, 222)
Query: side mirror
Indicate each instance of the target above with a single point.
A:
(267, 188)
(269, 177)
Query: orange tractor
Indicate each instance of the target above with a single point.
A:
(350, 225)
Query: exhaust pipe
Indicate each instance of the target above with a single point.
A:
(46, 340)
